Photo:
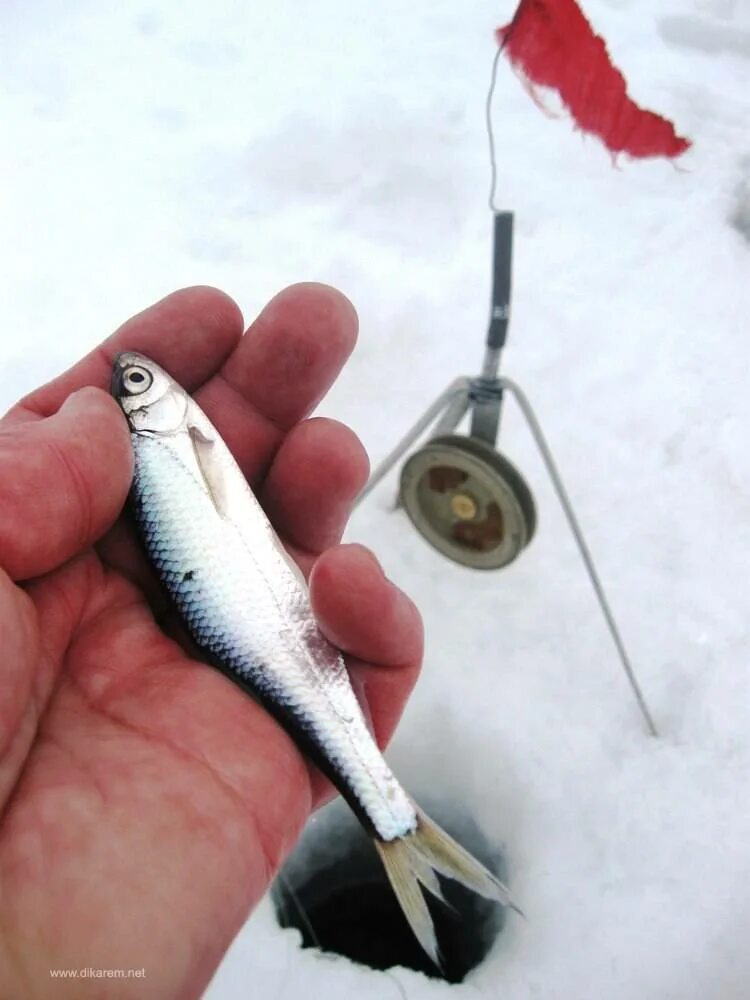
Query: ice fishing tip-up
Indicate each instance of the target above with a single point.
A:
(465, 497)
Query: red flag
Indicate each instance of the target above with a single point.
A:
(552, 44)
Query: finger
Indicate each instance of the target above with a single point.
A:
(118, 551)
(313, 482)
(361, 611)
(368, 617)
(190, 333)
(279, 371)
(293, 351)
(17, 681)
(63, 481)
(308, 494)
(374, 622)
(251, 436)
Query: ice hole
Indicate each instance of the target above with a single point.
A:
(334, 890)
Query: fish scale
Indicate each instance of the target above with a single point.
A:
(221, 591)
(246, 605)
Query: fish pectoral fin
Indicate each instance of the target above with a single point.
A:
(210, 469)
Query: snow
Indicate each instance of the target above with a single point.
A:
(149, 146)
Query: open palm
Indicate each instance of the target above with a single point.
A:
(145, 801)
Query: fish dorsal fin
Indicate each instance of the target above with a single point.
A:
(210, 467)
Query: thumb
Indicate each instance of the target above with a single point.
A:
(63, 481)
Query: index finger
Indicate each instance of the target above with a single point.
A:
(280, 370)
(190, 332)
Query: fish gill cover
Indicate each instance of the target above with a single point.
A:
(551, 44)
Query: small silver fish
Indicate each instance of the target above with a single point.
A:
(246, 605)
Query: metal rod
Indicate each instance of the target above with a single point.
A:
(454, 413)
(491, 363)
(502, 267)
(486, 399)
(446, 398)
(486, 390)
(567, 506)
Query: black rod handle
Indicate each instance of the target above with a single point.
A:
(502, 257)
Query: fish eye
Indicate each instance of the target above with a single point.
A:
(136, 379)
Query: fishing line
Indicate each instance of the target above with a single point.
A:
(300, 909)
(305, 920)
(393, 979)
(490, 132)
(314, 937)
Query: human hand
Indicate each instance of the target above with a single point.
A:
(145, 801)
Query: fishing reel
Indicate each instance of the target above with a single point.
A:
(465, 497)
(468, 501)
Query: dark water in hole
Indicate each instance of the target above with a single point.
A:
(336, 878)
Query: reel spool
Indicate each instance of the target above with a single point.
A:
(468, 501)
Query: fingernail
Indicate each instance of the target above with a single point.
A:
(80, 400)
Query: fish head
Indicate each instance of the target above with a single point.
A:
(149, 397)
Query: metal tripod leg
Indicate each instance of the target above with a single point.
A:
(454, 401)
(575, 527)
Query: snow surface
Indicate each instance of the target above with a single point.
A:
(148, 146)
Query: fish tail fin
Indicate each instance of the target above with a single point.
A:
(403, 875)
(414, 861)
